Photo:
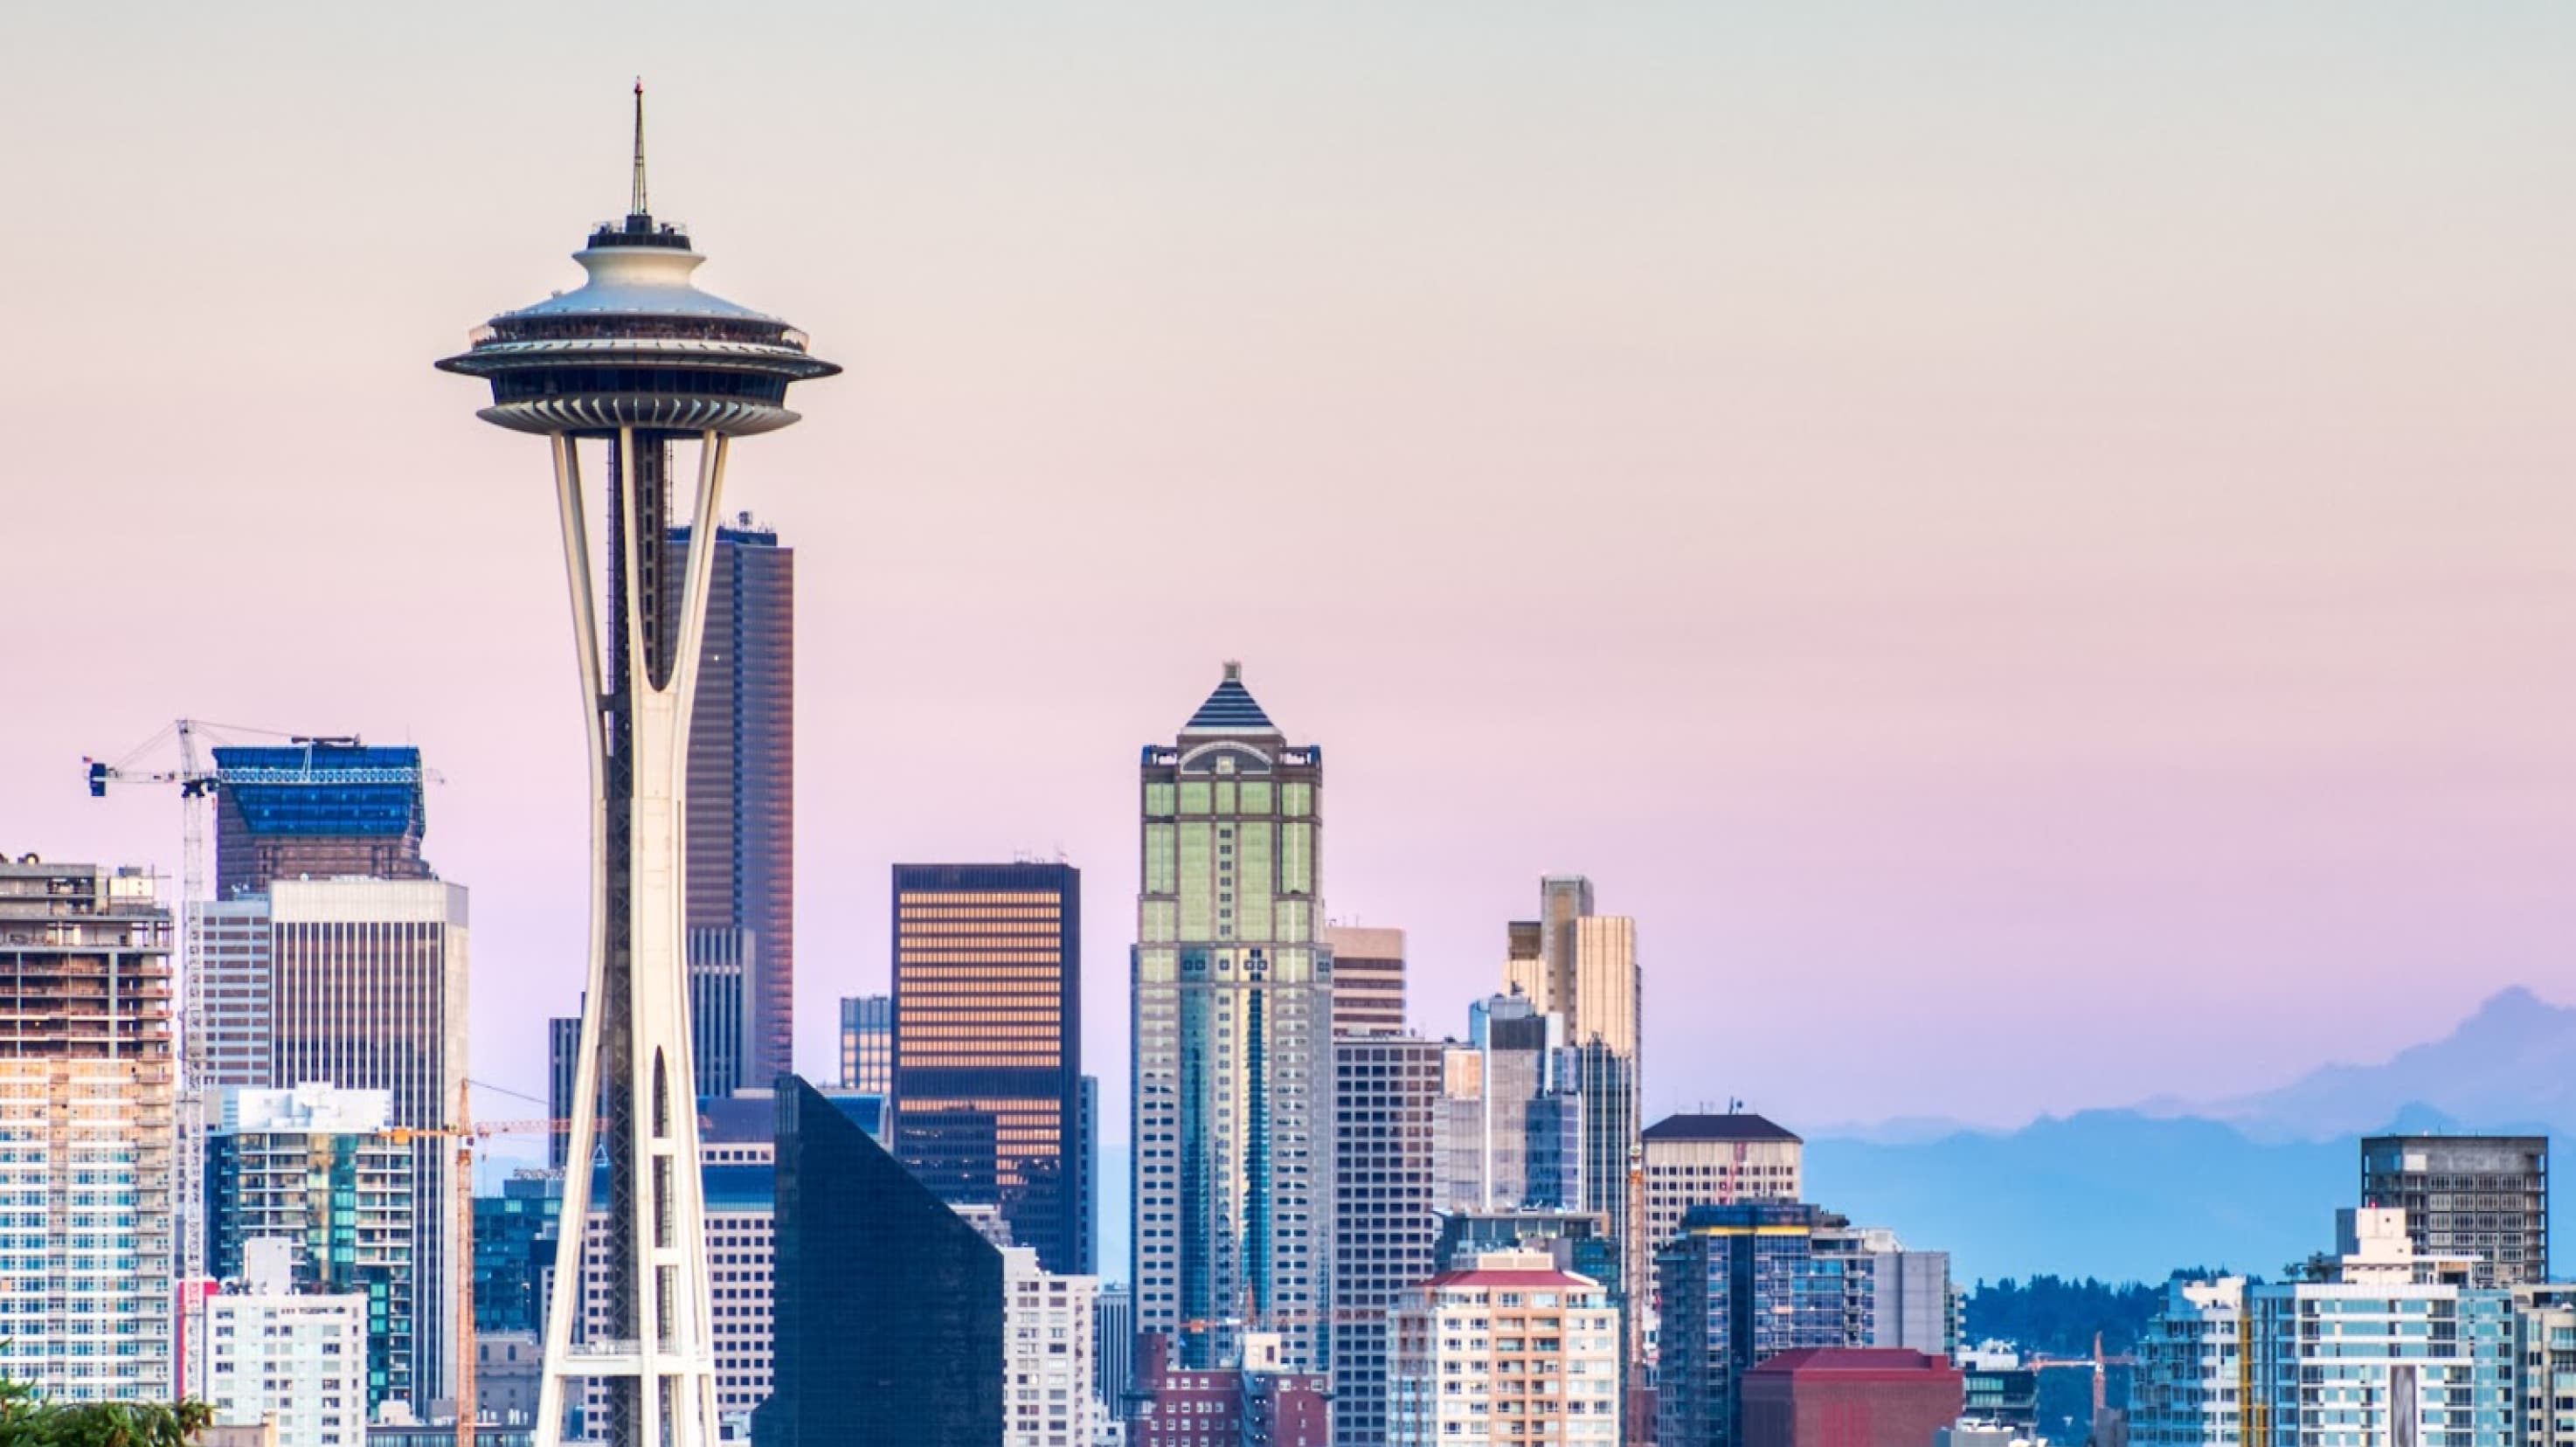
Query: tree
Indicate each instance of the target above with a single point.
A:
(26, 1421)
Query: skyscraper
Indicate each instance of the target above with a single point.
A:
(1717, 1160)
(1740, 1285)
(1386, 1112)
(1511, 1124)
(867, 1044)
(312, 1170)
(1232, 1005)
(563, 1059)
(988, 1043)
(2467, 1195)
(888, 1306)
(1583, 966)
(741, 867)
(638, 359)
(86, 1135)
(317, 808)
(724, 1005)
(368, 980)
(1368, 979)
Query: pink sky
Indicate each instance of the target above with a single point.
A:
(2029, 545)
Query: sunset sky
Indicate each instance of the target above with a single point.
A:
(2032, 546)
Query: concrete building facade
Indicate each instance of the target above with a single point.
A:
(2485, 1196)
(1368, 979)
(1717, 1160)
(369, 981)
(1386, 1112)
(296, 1358)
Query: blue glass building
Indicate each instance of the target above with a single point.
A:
(1740, 1285)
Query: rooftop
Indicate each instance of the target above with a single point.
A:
(1230, 710)
(1849, 1361)
(1735, 1126)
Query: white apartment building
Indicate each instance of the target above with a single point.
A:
(2191, 1369)
(1508, 1350)
(1047, 1388)
(301, 1360)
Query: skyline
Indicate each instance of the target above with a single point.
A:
(1955, 751)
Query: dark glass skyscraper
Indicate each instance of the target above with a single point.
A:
(741, 865)
(988, 1043)
(888, 1306)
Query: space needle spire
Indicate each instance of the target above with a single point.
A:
(633, 364)
(636, 206)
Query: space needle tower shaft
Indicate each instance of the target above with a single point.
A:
(634, 366)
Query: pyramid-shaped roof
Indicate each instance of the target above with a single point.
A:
(1230, 710)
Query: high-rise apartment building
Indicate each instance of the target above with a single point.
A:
(1716, 1160)
(1047, 1366)
(2485, 1196)
(2192, 1368)
(1368, 979)
(2418, 1353)
(1232, 1035)
(1386, 1111)
(988, 1043)
(277, 1354)
(313, 1170)
(87, 1138)
(1741, 1284)
(2544, 1354)
(2378, 1343)
(369, 994)
(741, 867)
(888, 1307)
(867, 1044)
(1508, 1350)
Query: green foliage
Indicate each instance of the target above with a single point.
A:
(2055, 1316)
(25, 1421)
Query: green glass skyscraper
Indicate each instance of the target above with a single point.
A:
(1233, 1039)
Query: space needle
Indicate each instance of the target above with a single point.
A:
(637, 362)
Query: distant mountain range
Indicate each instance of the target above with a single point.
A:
(2250, 1182)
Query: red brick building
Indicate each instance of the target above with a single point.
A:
(1228, 1406)
(1850, 1397)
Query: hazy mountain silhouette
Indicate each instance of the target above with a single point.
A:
(2251, 1181)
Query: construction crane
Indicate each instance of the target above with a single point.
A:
(197, 785)
(466, 1132)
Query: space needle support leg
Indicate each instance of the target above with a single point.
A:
(565, 1300)
(695, 1394)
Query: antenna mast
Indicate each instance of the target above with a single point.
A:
(635, 205)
